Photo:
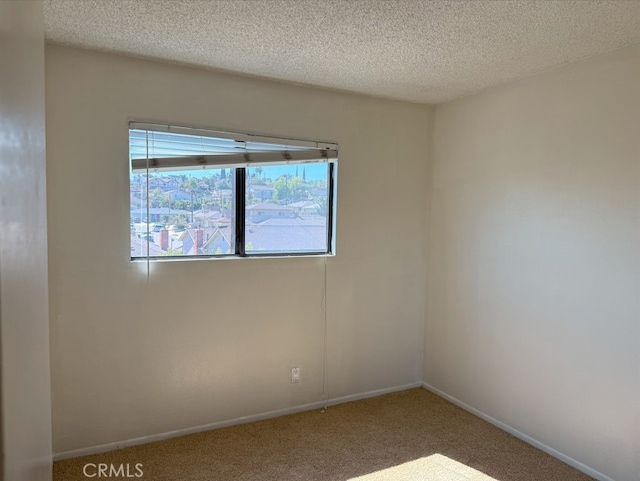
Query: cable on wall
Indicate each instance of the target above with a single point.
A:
(325, 374)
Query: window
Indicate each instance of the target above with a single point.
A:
(198, 193)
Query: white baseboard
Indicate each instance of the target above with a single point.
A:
(103, 448)
(527, 439)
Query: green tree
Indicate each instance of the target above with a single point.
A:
(281, 191)
(155, 198)
(181, 222)
(289, 189)
(182, 205)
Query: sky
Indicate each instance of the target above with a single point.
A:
(312, 172)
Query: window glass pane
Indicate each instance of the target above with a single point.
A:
(286, 209)
(139, 227)
(189, 213)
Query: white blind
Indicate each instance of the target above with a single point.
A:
(170, 148)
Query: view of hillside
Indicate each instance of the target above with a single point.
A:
(188, 213)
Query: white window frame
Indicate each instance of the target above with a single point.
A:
(296, 152)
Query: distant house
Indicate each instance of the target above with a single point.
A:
(261, 192)
(277, 235)
(308, 221)
(305, 207)
(219, 242)
(209, 218)
(179, 195)
(192, 240)
(155, 214)
(205, 241)
(165, 183)
(140, 246)
(298, 235)
(266, 210)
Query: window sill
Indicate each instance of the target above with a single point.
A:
(144, 260)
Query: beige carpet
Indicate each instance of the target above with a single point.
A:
(409, 436)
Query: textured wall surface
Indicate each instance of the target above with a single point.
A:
(24, 320)
(205, 341)
(534, 259)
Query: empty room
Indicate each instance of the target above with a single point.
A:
(350, 240)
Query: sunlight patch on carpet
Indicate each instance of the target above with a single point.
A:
(431, 468)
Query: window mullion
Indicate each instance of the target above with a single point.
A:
(330, 194)
(239, 210)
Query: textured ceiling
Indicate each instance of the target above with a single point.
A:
(417, 50)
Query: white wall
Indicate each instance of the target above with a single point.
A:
(534, 259)
(205, 341)
(24, 321)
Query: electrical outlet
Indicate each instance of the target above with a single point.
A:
(295, 375)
